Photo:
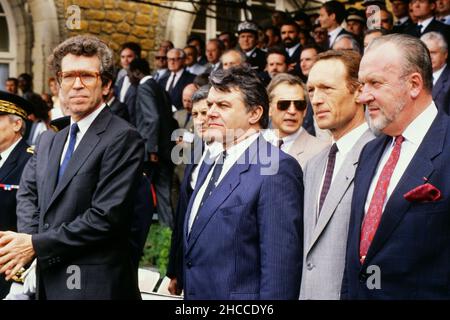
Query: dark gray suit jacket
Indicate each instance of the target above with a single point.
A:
(441, 90)
(81, 224)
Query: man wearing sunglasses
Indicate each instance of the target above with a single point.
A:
(75, 199)
(287, 96)
(329, 176)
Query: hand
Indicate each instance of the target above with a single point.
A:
(173, 287)
(16, 250)
(153, 157)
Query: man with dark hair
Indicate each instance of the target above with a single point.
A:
(12, 85)
(198, 42)
(331, 16)
(398, 244)
(443, 11)
(290, 38)
(128, 52)
(75, 200)
(228, 39)
(400, 10)
(234, 209)
(273, 36)
(155, 123)
(328, 176)
(191, 61)
(248, 39)
(14, 154)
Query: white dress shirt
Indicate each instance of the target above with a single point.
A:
(5, 154)
(291, 50)
(424, 23)
(177, 76)
(123, 91)
(345, 144)
(83, 126)
(437, 74)
(249, 53)
(413, 135)
(288, 141)
(332, 35)
(233, 154)
(214, 149)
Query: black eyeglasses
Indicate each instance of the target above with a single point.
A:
(160, 57)
(283, 105)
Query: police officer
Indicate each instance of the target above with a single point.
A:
(14, 154)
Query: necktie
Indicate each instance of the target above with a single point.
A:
(419, 29)
(214, 178)
(72, 139)
(328, 174)
(373, 215)
(171, 82)
(280, 143)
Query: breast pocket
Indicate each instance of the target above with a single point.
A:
(233, 210)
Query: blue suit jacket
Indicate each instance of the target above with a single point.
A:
(246, 242)
(441, 90)
(412, 244)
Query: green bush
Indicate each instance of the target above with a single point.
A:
(157, 246)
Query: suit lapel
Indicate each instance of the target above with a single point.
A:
(82, 152)
(339, 187)
(420, 166)
(299, 145)
(10, 163)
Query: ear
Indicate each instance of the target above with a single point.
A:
(415, 84)
(357, 93)
(106, 88)
(255, 115)
(271, 106)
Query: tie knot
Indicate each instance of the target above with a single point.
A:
(280, 143)
(399, 139)
(334, 149)
(74, 129)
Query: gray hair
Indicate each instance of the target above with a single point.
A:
(436, 36)
(88, 46)
(23, 127)
(355, 45)
(181, 53)
(416, 57)
(242, 56)
(285, 78)
(201, 93)
(248, 83)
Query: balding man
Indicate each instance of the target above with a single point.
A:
(438, 48)
(232, 57)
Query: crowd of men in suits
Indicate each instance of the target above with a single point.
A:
(301, 166)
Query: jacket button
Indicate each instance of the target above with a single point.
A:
(189, 264)
(46, 226)
(362, 278)
(310, 266)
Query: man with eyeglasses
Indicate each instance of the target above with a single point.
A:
(328, 176)
(191, 61)
(75, 199)
(287, 97)
(160, 64)
(178, 77)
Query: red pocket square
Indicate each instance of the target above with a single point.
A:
(424, 193)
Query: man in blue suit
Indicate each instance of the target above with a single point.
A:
(243, 226)
(399, 245)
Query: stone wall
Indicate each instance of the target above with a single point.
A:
(118, 21)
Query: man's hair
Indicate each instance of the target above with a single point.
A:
(192, 48)
(200, 40)
(285, 78)
(15, 80)
(274, 29)
(313, 46)
(219, 43)
(416, 57)
(27, 77)
(201, 93)
(350, 60)
(88, 46)
(278, 50)
(383, 31)
(245, 80)
(133, 46)
(290, 22)
(390, 16)
(436, 36)
(355, 45)
(23, 126)
(182, 54)
(141, 65)
(337, 8)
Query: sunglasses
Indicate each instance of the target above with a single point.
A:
(283, 105)
(160, 58)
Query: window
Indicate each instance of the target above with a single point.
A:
(7, 49)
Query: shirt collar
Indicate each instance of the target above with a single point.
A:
(110, 101)
(237, 149)
(85, 123)
(417, 129)
(249, 53)
(5, 154)
(145, 79)
(292, 49)
(425, 23)
(438, 73)
(346, 143)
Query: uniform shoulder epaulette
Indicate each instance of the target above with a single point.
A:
(30, 149)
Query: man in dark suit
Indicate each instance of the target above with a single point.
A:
(74, 204)
(120, 109)
(14, 154)
(423, 10)
(400, 9)
(291, 41)
(177, 78)
(399, 244)
(237, 245)
(125, 92)
(248, 39)
(193, 161)
(332, 14)
(155, 123)
(438, 49)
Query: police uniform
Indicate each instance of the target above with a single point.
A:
(11, 170)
